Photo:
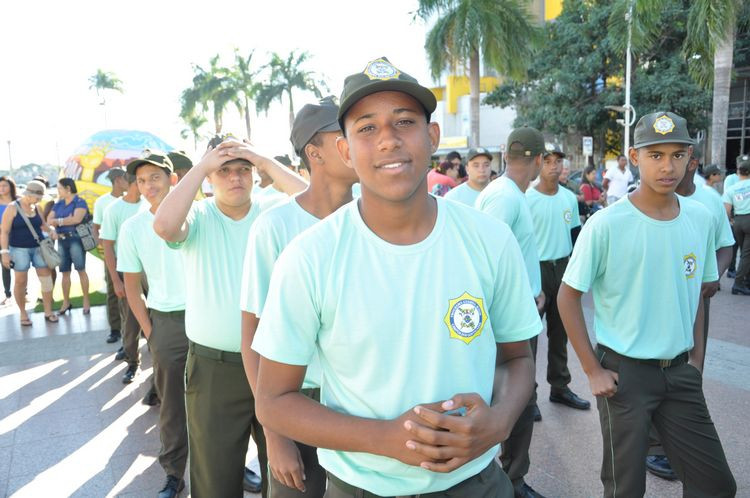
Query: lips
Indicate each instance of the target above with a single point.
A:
(667, 181)
(391, 164)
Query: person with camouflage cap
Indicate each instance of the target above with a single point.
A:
(367, 301)
(645, 259)
(737, 203)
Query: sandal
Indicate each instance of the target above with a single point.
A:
(50, 318)
(26, 322)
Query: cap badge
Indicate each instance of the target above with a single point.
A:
(549, 146)
(664, 125)
(381, 70)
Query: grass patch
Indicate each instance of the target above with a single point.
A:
(97, 299)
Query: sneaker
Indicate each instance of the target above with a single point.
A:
(151, 398)
(172, 487)
(251, 481)
(660, 467)
(129, 374)
(536, 414)
(731, 274)
(113, 337)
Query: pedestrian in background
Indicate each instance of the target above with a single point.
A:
(7, 195)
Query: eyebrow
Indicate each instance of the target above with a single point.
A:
(400, 110)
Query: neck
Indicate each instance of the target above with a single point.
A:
(117, 192)
(404, 222)
(743, 177)
(233, 212)
(476, 186)
(622, 168)
(686, 187)
(663, 207)
(6, 199)
(519, 176)
(132, 196)
(324, 196)
(549, 187)
(68, 198)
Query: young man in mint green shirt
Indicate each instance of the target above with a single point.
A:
(478, 169)
(645, 259)
(737, 204)
(162, 314)
(294, 467)
(212, 236)
(366, 299)
(554, 210)
(504, 200)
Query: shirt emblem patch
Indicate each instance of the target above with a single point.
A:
(381, 70)
(568, 216)
(663, 125)
(689, 265)
(465, 318)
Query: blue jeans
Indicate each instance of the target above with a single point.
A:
(72, 253)
(23, 257)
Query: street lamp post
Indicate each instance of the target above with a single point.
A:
(10, 160)
(629, 18)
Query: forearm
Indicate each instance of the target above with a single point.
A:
(134, 294)
(698, 353)
(96, 233)
(4, 239)
(110, 260)
(512, 390)
(284, 179)
(169, 220)
(571, 313)
(250, 359)
(723, 259)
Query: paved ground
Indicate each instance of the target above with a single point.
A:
(68, 426)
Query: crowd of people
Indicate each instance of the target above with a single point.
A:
(306, 313)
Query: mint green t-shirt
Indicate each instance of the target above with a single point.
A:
(115, 215)
(730, 180)
(502, 199)
(463, 194)
(645, 275)
(267, 197)
(738, 196)
(141, 250)
(269, 235)
(212, 255)
(398, 325)
(711, 199)
(554, 216)
(100, 205)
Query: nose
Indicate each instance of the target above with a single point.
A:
(388, 139)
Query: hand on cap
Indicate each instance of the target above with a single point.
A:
(232, 149)
(213, 158)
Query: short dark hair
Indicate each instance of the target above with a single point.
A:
(452, 155)
(317, 141)
(130, 178)
(444, 166)
(744, 169)
(69, 184)
(12, 183)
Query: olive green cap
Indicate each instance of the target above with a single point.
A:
(711, 170)
(525, 142)
(381, 76)
(553, 148)
(154, 158)
(180, 160)
(478, 151)
(661, 128)
(743, 161)
(313, 119)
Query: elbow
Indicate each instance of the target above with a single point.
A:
(162, 228)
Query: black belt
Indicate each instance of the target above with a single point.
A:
(215, 354)
(348, 488)
(176, 313)
(555, 261)
(680, 359)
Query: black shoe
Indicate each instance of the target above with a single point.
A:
(172, 487)
(129, 374)
(660, 467)
(120, 354)
(251, 483)
(731, 274)
(526, 491)
(569, 398)
(743, 291)
(114, 336)
(537, 414)
(151, 398)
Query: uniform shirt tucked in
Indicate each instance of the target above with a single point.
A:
(269, 235)
(711, 199)
(503, 200)
(141, 250)
(645, 276)
(391, 332)
(618, 181)
(100, 205)
(212, 254)
(738, 195)
(463, 194)
(63, 210)
(554, 216)
(115, 215)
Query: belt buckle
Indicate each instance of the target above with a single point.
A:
(665, 363)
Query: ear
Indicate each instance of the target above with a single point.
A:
(342, 145)
(433, 130)
(313, 153)
(633, 156)
(173, 179)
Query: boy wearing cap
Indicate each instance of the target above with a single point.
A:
(114, 216)
(162, 314)
(367, 302)
(212, 236)
(116, 176)
(478, 169)
(555, 214)
(314, 134)
(504, 199)
(712, 174)
(645, 259)
(737, 203)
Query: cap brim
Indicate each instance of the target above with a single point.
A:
(670, 141)
(423, 95)
(134, 165)
(485, 154)
(550, 152)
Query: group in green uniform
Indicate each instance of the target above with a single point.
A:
(645, 259)
(737, 202)
(424, 371)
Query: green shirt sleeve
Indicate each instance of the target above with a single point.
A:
(587, 261)
(109, 223)
(128, 260)
(260, 257)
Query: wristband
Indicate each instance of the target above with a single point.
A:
(60, 221)
(4, 251)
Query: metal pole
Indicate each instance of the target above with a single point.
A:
(629, 18)
(10, 160)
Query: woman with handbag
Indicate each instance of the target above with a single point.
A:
(67, 213)
(20, 247)
(7, 195)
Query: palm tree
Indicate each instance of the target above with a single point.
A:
(286, 75)
(212, 89)
(194, 123)
(499, 33)
(102, 81)
(243, 80)
(708, 47)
